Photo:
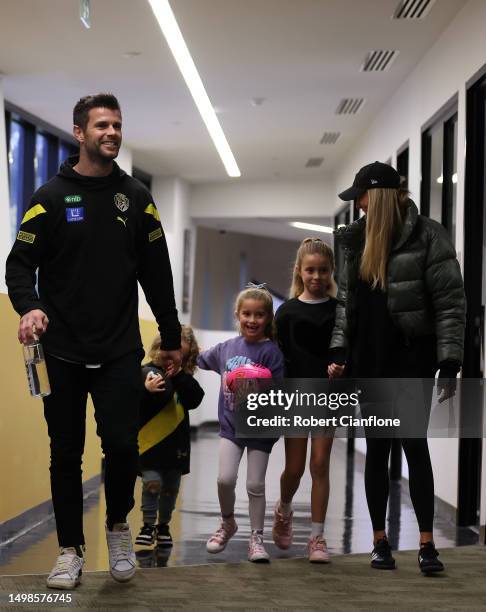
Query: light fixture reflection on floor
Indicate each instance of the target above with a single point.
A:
(168, 24)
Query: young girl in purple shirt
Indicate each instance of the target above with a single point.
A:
(255, 346)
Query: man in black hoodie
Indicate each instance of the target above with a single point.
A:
(92, 232)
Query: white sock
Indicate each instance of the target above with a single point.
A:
(317, 530)
(285, 509)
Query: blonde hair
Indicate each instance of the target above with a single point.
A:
(189, 362)
(311, 246)
(384, 220)
(262, 295)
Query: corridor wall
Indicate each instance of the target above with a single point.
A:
(441, 75)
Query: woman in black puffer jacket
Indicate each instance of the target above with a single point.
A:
(401, 315)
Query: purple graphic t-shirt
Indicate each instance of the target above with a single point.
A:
(226, 357)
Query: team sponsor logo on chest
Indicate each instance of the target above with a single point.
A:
(73, 199)
(74, 215)
(121, 201)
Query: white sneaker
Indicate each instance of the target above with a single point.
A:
(66, 574)
(217, 542)
(256, 550)
(122, 556)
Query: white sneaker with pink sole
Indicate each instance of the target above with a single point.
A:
(220, 538)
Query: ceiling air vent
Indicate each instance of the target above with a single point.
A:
(349, 106)
(330, 137)
(379, 61)
(314, 162)
(413, 9)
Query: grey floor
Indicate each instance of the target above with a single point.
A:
(348, 584)
(347, 529)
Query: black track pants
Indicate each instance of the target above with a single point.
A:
(115, 388)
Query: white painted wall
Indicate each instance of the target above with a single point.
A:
(181, 222)
(125, 159)
(256, 199)
(443, 72)
(171, 196)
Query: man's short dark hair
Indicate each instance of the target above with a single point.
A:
(85, 104)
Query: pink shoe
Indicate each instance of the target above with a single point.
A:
(217, 542)
(256, 550)
(282, 529)
(317, 550)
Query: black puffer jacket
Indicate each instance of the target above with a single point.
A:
(424, 288)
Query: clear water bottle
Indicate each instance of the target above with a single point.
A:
(35, 364)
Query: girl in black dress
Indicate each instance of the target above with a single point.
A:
(304, 327)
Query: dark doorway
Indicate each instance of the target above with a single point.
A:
(402, 167)
(439, 168)
(470, 450)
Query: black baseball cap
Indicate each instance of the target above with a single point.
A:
(372, 176)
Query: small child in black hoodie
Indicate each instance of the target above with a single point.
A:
(164, 438)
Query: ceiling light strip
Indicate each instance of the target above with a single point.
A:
(325, 229)
(170, 29)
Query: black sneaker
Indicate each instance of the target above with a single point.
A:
(164, 539)
(162, 556)
(146, 536)
(145, 557)
(381, 556)
(427, 559)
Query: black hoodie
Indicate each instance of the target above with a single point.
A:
(91, 239)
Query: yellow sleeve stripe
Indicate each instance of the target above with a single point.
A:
(38, 209)
(151, 210)
(160, 426)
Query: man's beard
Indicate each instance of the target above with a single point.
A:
(95, 154)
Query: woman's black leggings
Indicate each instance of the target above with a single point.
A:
(421, 480)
